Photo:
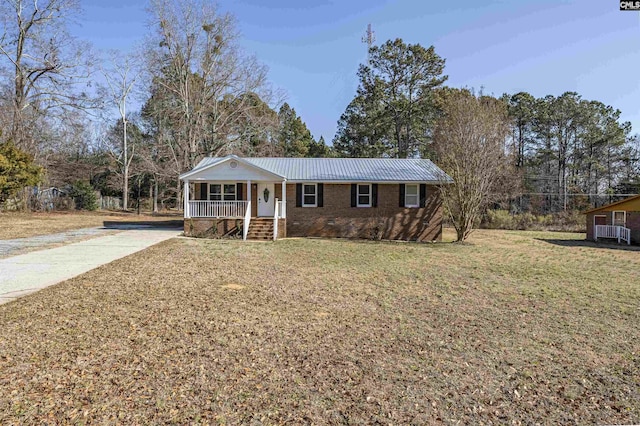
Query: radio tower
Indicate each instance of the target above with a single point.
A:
(369, 38)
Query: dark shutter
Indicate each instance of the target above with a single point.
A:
(401, 195)
(320, 195)
(374, 195)
(354, 194)
(423, 195)
(298, 195)
(239, 191)
(203, 191)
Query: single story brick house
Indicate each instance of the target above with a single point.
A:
(619, 220)
(270, 198)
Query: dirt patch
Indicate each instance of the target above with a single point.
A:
(233, 286)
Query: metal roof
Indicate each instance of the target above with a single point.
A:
(343, 169)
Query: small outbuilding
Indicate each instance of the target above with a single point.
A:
(619, 221)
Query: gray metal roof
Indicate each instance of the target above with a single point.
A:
(344, 169)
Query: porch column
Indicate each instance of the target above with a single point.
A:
(249, 195)
(187, 214)
(283, 214)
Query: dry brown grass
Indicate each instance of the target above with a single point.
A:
(22, 225)
(515, 327)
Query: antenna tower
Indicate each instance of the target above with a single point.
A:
(369, 37)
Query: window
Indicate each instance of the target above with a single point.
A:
(219, 192)
(309, 195)
(215, 192)
(411, 197)
(619, 218)
(364, 195)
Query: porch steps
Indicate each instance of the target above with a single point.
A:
(260, 228)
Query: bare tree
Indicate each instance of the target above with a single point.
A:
(121, 77)
(469, 144)
(199, 78)
(46, 65)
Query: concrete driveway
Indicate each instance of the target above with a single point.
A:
(27, 273)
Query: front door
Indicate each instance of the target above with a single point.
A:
(266, 199)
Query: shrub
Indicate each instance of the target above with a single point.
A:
(84, 196)
(562, 221)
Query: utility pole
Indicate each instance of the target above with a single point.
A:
(369, 38)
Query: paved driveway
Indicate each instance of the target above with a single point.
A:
(27, 273)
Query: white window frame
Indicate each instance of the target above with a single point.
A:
(624, 216)
(370, 194)
(315, 195)
(222, 193)
(417, 195)
(598, 215)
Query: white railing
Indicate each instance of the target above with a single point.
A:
(610, 231)
(281, 207)
(247, 221)
(235, 209)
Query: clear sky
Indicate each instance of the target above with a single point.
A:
(313, 47)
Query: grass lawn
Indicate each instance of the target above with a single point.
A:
(21, 225)
(515, 327)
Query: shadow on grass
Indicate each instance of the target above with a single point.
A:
(586, 243)
(141, 224)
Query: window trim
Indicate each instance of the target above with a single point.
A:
(624, 217)
(417, 195)
(370, 195)
(315, 195)
(222, 193)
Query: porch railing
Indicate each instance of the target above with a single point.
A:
(231, 209)
(610, 231)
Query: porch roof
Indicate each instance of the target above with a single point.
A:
(340, 169)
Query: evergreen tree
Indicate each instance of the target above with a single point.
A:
(17, 170)
(294, 137)
(393, 111)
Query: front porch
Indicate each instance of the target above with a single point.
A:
(231, 197)
(250, 210)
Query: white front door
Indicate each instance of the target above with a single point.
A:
(266, 199)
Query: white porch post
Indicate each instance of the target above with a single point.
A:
(283, 213)
(187, 214)
(249, 195)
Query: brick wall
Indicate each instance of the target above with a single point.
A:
(633, 223)
(590, 223)
(213, 228)
(389, 221)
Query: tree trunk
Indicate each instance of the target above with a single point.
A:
(155, 195)
(125, 177)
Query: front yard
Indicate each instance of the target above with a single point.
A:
(532, 327)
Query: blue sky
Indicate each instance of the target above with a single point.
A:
(313, 47)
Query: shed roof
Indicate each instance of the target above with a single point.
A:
(343, 169)
(619, 204)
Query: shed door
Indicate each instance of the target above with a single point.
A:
(600, 220)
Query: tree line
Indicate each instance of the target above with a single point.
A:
(131, 123)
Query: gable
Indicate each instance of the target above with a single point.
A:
(230, 169)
